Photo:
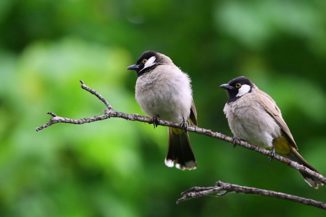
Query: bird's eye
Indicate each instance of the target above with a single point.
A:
(144, 61)
(237, 85)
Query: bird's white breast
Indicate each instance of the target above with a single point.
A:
(248, 120)
(165, 91)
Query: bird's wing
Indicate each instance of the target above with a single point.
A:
(272, 109)
(193, 113)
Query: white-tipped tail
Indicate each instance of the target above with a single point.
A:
(169, 163)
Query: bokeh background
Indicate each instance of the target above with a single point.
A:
(115, 167)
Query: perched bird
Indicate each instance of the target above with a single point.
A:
(164, 91)
(253, 116)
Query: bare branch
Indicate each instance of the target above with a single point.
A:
(222, 188)
(110, 113)
(95, 93)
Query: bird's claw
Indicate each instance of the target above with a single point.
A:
(184, 125)
(155, 120)
(272, 154)
(235, 141)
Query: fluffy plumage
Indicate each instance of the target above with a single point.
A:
(164, 91)
(254, 116)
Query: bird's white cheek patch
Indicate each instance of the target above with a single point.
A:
(150, 62)
(243, 90)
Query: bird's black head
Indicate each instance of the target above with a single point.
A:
(148, 61)
(237, 87)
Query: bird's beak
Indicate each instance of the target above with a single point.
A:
(226, 86)
(134, 67)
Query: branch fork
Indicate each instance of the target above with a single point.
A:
(221, 188)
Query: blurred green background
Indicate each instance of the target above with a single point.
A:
(115, 167)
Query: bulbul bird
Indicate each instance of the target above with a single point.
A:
(253, 116)
(164, 91)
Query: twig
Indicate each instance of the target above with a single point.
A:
(222, 188)
(99, 96)
(110, 113)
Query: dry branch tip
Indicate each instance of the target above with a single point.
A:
(51, 114)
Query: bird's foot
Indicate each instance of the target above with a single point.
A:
(272, 151)
(155, 120)
(184, 124)
(235, 141)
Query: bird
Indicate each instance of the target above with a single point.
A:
(164, 91)
(254, 116)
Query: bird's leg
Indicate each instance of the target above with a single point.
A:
(184, 124)
(235, 141)
(273, 152)
(155, 120)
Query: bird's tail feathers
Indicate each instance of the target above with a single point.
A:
(180, 153)
(310, 180)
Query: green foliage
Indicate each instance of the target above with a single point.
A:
(115, 167)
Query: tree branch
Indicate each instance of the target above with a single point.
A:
(111, 113)
(222, 188)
